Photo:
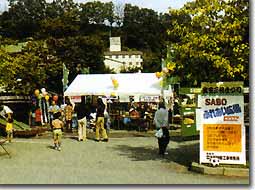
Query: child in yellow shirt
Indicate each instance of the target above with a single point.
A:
(57, 125)
(9, 127)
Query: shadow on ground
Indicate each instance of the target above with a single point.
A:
(184, 155)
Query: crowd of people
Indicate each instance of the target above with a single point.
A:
(161, 121)
(72, 117)
(63, 118)
(80, 112)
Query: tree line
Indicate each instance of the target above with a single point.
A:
(208, 38)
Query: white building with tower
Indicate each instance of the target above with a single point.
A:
(118, 60)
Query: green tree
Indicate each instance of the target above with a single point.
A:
(210, 39)
(97, 12)
(61, 20)
(22, 19)
(79, 53)
(96, 17)
(143, 29)
(35, 67)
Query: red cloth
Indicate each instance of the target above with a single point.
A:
(38, 114)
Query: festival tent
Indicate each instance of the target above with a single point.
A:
(128, 84)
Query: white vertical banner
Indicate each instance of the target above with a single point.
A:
(222, 130)
(198, 119)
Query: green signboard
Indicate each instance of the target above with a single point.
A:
(188, 111)
(188, 126)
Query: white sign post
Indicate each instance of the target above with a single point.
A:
(222, 132)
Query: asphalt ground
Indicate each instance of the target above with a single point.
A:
(125, 160)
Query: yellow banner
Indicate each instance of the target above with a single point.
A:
(222, 137)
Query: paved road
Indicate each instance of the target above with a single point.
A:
(128, 160)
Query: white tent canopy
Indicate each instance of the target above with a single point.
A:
(130, 84)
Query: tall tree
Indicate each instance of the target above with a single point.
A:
(79, 53)
(97, 12)
(210, 39)
(96, 17)
(34, 67)
(143, 29)
(62, 19)
(119, 13)
(22, 19)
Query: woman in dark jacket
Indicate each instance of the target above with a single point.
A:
(82, 120)
(100, 121)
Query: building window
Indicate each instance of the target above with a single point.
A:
(123, 56)
(117, 56)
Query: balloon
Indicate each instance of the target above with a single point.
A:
(43, 90)
(47, 97)
(44, 93)
(37, 92)
(113, 94)
(39, 96)
(55, 98)
(115, 82)
(158, 74)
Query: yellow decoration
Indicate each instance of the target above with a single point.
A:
(47, 97)
(115, 82)
(113, 94)
(158, 74)
(171, 66)
(37, 92)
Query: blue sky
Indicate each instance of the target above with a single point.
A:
(157, 5)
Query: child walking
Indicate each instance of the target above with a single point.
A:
(57, 126)
(9, 127)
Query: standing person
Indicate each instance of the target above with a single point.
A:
(54, 108)
(107, 121)
(57, 125)
(82, 120)
(7, 113)
(9, 126)
(100, 121)
(161, 122)
(68, 111)
(32, 113)
(38, 118)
